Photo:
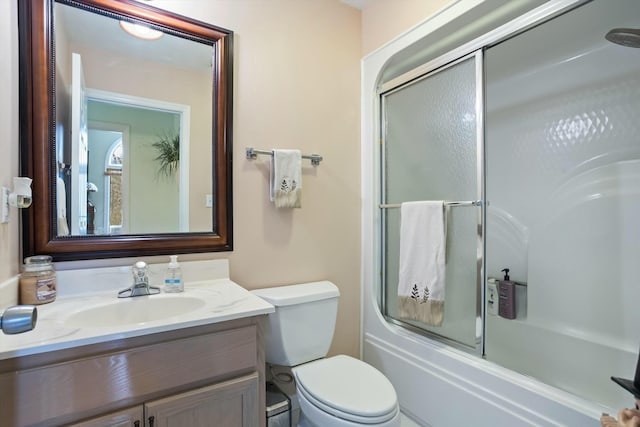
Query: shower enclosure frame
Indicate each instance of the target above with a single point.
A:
(428, 70)
(473, 49)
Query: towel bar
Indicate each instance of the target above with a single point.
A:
(252, 154)
(453, 204)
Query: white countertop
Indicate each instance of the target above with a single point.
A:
(219, 300)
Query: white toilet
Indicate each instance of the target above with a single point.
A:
(339, 391)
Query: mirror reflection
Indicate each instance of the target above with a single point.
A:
(133, 128)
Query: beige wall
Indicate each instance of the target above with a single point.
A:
(9, 246)
(297, 80)
(383, 20)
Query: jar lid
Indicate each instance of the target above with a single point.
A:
(38, 259)
(37, 262)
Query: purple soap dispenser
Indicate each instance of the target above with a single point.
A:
(506, 297)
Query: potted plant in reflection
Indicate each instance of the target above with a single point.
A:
(168, 148)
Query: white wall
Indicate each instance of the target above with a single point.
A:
(9, 233)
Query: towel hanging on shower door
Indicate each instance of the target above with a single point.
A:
(422, 262)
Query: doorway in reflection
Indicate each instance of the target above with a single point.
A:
(134, 179)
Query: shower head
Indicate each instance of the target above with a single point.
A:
(629, 37)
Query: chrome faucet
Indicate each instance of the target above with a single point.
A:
(140, 282)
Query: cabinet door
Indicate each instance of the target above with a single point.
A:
(130, 417)
(232, 403)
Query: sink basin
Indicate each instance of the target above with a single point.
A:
(135, 310)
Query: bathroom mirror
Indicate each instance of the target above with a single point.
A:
(127, 136)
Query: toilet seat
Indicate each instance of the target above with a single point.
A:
(348, 389)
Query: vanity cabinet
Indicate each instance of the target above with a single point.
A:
(211, 375)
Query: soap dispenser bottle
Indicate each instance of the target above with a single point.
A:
(506, 297)
(173, 277)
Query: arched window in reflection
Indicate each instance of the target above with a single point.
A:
(113, 187)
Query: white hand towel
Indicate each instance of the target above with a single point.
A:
(61, 207)
(422, 262)
(286, 178)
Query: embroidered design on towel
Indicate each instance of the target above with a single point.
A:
(425, 295)
(288, 194)
(285, 187)
(421, 307)
(415, 294)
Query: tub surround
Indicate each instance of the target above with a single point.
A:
(79, 290)
(431, 378)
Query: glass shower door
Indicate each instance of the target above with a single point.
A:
(431, 150)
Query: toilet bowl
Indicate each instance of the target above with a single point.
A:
(343, 391)
(338, 391)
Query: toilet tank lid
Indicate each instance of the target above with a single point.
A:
(298, 294)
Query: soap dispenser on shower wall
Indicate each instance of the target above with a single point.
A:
(506, 297)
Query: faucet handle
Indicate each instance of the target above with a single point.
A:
(139, 271)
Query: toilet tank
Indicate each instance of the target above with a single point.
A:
(301, 328)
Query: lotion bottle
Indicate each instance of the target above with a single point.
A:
(506, 297)
(173, 277)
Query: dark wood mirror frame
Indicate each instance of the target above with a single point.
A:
(37, 135)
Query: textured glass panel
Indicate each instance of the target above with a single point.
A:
(563, 182)
(430, 154)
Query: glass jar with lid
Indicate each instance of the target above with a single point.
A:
(38, 280)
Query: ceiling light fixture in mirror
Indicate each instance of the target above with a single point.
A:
(140, 31)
